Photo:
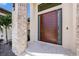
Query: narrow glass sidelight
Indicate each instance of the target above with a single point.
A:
(38, 27)
(59, 26)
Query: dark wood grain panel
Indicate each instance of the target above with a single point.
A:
(49, 27)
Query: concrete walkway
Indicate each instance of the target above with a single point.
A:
(46, 49)
(5, 50)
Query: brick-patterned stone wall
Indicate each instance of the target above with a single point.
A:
(19, 37)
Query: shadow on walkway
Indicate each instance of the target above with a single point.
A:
(6, 50)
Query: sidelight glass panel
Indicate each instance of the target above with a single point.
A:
(60, 27)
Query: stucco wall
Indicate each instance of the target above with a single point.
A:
(9, 34)
(67, 33)
(33, 22)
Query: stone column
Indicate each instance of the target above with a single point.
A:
(77, 29)
(19, 28)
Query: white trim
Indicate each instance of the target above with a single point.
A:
(50, 9)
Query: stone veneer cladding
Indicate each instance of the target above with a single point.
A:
(19, 29)
(77, 30)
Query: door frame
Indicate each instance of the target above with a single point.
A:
(46, 11)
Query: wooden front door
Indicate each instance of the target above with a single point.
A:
(49, 27)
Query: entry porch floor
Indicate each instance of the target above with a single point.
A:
(40, 48)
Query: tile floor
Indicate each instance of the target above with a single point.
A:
(39, 48)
